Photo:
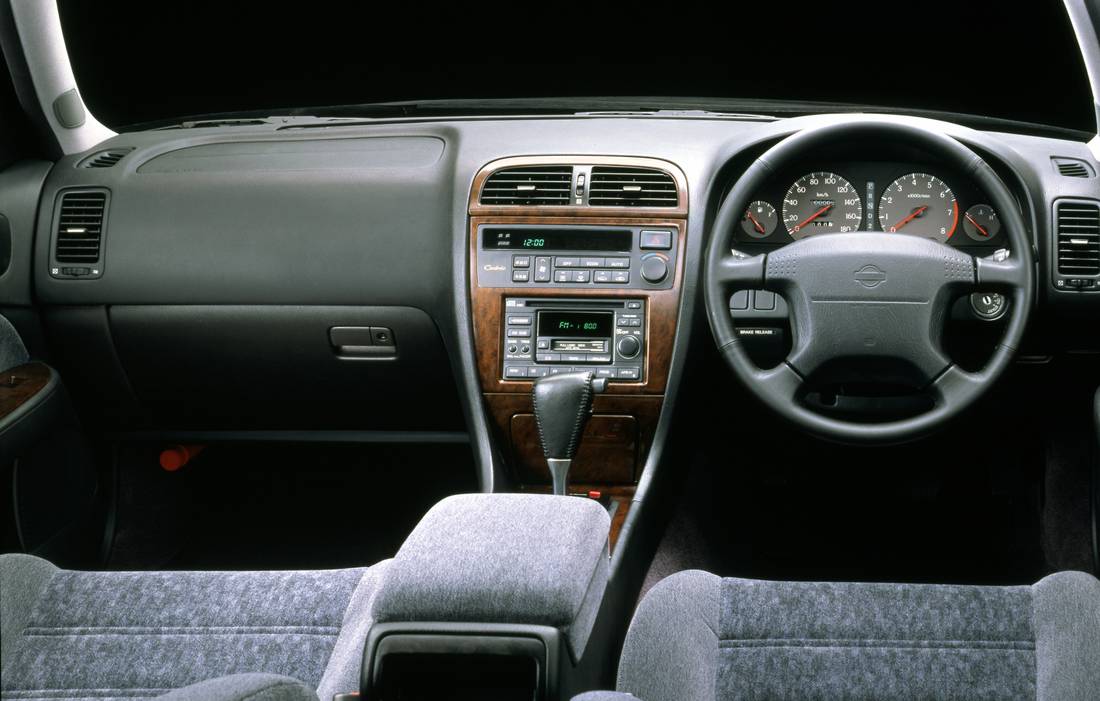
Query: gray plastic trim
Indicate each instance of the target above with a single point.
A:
(42, 43)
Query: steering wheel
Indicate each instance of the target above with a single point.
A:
(873, 301)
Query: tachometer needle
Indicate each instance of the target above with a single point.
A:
(977, 226)
(755, 223)
(916, 213)
(813, 216)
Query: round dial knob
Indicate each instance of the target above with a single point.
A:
(628, 346)
(654, 269)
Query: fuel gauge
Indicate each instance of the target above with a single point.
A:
(760, 219)
(981, 222)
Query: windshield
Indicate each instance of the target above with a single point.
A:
(140, 64)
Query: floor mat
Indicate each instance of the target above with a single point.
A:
(286, 506)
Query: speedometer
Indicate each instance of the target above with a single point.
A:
(821, 203)
(919, 204)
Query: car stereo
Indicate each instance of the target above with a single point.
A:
(544, 336)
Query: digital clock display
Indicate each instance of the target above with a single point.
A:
(576, 324)
(547, 239)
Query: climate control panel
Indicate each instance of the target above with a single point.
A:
(589, 257)
(547, 336)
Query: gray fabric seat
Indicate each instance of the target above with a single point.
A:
(186, 635)
(697, 636)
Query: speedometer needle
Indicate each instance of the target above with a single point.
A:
(754, 222)
(813, 216)
(916, 213)
(978, 226)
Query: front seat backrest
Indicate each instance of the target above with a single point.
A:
(697, 636)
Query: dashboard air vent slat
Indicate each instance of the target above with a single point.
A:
(529, 185)
(619, 186)
(1078, 227)
(80, 227)
(1073, 168)
(105, 159)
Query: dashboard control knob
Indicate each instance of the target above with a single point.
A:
(628, 346)
(654, 269)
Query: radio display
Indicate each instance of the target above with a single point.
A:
(576, 324)
(557, 239)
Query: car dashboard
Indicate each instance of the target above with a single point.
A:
(413, 278)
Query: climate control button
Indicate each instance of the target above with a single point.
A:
(654, 269)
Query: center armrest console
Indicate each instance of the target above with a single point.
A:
(492, 596)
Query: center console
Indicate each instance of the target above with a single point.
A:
(576, 264)
(494, 597)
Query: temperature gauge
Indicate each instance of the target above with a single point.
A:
(760, 219)
(981, 223)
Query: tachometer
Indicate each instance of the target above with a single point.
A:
(821, 203)
(919, 204)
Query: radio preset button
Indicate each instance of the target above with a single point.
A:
(560, 370)
(628, 373)
(537, 372)
(605, 372)
(515, 371)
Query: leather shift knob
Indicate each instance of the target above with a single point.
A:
(562, 406)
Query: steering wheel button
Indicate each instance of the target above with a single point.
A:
(763, 301)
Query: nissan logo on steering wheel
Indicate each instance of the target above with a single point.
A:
(870, 276)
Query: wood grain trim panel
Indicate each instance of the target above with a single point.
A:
(645, 410)
(662, 310)
(20, 384)
(477, 209)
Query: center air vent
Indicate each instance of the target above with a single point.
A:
(79, 231)
(620, 186)
(104, 159)
(1078, 238)
(529, 185)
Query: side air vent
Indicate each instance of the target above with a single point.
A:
(618, 186)
(104, 159)
(529, 185)
(1073, 168)
(80, 227)
(1078, 238)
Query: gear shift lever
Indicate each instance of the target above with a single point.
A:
(563, 404)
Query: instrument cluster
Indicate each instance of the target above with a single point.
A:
(892, 198)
